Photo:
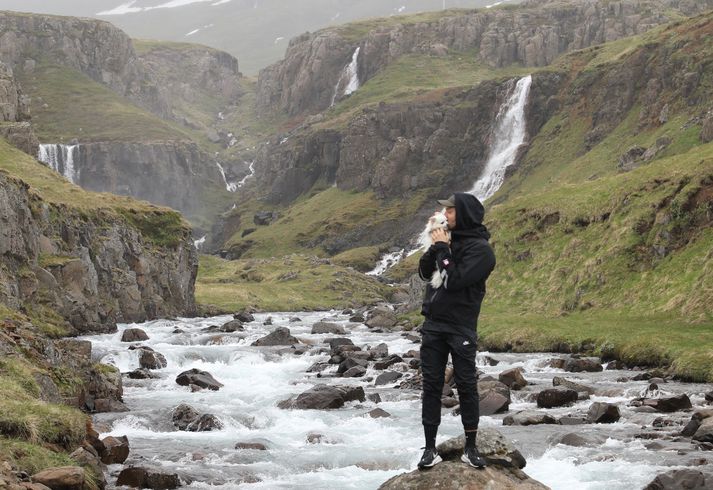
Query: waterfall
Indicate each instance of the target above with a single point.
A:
(60, 158)
(199, 243)
(251, 167)
(509, 134)
(349, 78)
(230, 186)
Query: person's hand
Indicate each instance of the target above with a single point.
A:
(439, 235)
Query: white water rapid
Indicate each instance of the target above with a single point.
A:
(356, 451)
(60, 158)
(251, 167)
(349, 78)
(510, 132)
(230, 186)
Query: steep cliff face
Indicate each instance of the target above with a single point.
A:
(90, 267)
(93, 47)
(15, 113)
(532, 34)
(171, 173)
(396, 149)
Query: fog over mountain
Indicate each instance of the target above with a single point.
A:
(255, 31)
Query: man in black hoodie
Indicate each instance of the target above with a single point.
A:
(450, 325)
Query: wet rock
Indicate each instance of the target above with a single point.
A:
(380, 351)
(133, 335)
(493, 446)
(374, 397)
(152, 360)
(449, 402)
(668, 404)
(490, 361)
(203, 379)
(556, 397)
(106, 405)
(582, 365)
(257, 446)
(382, 318)
(349, 363)
(327, 327)
(295, 319)
(603, 413)
(354, 372)
(686, 479)
(268, 321)
(317, 367)
(244, 316)
(641, 377)
(493, 402)
(513, 379)
(567, 420)
(358, 318)
(184, 415)
(388, 362)
(529, 417)
(116, 450)
(334, 343)
(324, 396)
(387, 377)
(279, 336)
(140, 477)
(61, 478)
(232, 326)
(696, 420)
(565, 383)
(141, 373)
(579, 440)
(205, 423)
(556, 363)
(615, 365)
(314, 438)
(378, 413)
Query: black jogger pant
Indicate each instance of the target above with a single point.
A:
(435, 347)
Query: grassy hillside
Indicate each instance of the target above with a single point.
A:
(67, 104)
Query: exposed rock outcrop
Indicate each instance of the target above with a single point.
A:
(92, 269)
(15, 113)
(533, 34)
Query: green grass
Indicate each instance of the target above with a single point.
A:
(31, 458)
(295, 282)
(67, 104)
(160, 226)
(362, 259)
(420, 77)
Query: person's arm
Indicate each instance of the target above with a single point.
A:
(427, 265)
(477, 263)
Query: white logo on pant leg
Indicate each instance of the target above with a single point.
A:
(465, 342)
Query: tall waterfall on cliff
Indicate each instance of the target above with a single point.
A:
(229, 186)
(60, 158)
(509, 134)
(349, 78)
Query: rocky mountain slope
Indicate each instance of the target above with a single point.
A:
(532, 34)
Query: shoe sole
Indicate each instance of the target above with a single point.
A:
(435, 461)
(465, 459)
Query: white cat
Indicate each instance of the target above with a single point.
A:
(435, 222)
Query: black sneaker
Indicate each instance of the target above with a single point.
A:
(473, 457)
(429, 459)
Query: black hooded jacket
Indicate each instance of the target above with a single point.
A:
(454, 307)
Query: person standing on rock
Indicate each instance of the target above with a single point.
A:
(451, 317)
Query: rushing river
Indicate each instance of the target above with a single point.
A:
(356, 451)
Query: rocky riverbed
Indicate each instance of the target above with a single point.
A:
(329, 400)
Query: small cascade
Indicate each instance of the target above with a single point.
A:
(349, 78)
(60, 158)
(251, 167)
(199, 243)
(230, 186)
(510, 132)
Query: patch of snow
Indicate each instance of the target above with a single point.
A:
(278, 39)
(192, 32)
(124, 8)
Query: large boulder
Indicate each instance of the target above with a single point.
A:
(387, 377)
(668, 404)
(134, 335)
(140, 477)
(116, 450)
(202, 379)
(494, 396)
(232, 326)
(205, 423)
(697, 419)
(685, 479)
(184, 415)
(382, 318)
(244, 316)
(578, 365)
(279, 336)
(603, 413)
(513, 379)
(327, 327)
(565, 383)
(493, 446)
(529, 417)
(349, 363)
(556, 397)
(324, 396)
(149, 359)
(61, 478)
(454, 475)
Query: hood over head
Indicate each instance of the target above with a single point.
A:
(469, 216)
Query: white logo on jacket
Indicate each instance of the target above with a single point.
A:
(435, 222)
